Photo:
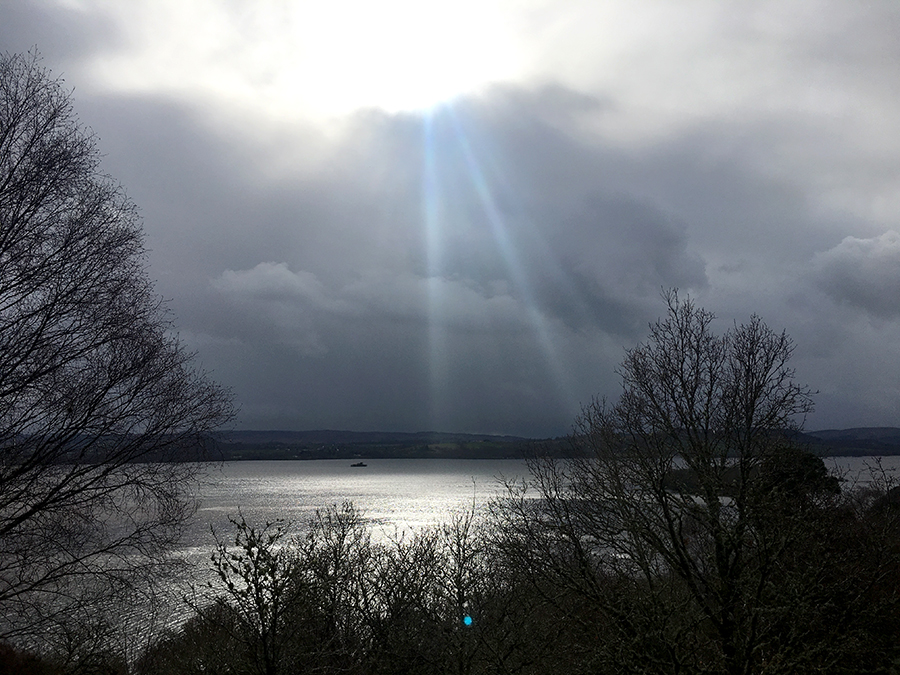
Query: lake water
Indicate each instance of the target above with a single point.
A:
(395, 495)
(863, 470)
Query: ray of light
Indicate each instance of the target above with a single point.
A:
(437, 347)
(515, 267)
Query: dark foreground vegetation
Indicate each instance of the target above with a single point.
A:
(99, 401)
(522, 589)
(525, 590)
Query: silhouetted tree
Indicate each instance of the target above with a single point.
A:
(331, 600)
(258, 576)
(688, 529)
(99, 402)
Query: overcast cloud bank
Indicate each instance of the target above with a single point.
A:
(480, 266)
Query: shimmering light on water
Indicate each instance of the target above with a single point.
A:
(395, 495)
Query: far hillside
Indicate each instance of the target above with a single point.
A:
(333, 444)
(355, 445)
(856, 442)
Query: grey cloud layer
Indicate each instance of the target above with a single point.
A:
(863, 273)
(482, 269)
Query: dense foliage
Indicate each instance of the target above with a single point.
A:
(334, 601)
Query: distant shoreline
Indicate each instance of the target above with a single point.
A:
(357, 445)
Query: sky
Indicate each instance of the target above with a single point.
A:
(456, 215)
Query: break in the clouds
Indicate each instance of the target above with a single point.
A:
(456, 216)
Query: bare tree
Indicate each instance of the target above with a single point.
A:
(670, 521)
(261, 584)
(99, 402)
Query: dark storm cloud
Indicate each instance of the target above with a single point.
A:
(501, 239)
(320, 260)
(314, 295)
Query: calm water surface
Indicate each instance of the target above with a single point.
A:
(861, 471)
(395, 495)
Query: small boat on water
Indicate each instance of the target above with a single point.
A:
(359, 464)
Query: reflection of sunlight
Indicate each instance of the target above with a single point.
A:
(308, 56)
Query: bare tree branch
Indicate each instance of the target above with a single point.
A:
(99, 403)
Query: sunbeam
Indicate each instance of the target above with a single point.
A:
(436, 220)
(437, 348)
(514, 265)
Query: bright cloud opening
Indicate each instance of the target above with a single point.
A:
(310, 57)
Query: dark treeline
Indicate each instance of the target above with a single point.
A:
(262, 445)
(339, 445)
(331, 445)
(524, 588)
